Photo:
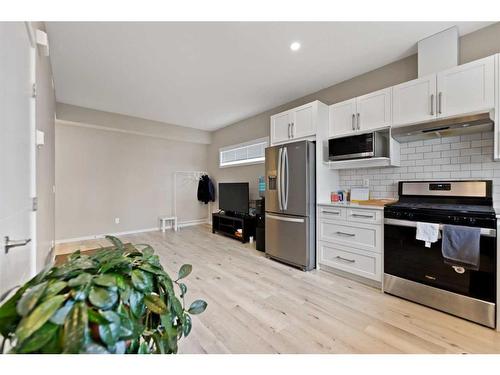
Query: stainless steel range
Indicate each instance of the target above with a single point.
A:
(419, 273)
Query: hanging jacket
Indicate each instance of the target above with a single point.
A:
(206, 190)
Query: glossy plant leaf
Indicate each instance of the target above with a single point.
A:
(155, 304)
(60, 315)
(30, 298)
(187, 324)
(81, 279)
(116, 242)
(136, 301)
(96, 317)
(38, 317)
(184, 271)
(54, 287)
(142, 280)
(106, 280)
(102, 298)
(183, 289)
(38, 339)
(109, 333)
(197, 307)
(75, 327)
(93, 348)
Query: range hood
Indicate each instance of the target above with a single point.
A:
(444, 128)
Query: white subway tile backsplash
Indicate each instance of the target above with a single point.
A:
(464, 157)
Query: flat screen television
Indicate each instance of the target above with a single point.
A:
(233, 197)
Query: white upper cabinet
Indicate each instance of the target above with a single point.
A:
(280, 127)
(342, 119)
(466, 88)
(303, 124)
(414, 101)
(298, 123)
(365, 112)
(374, 110)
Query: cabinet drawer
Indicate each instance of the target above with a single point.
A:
(360, 263)
(332, 213)
(362, 236)
(364, 216)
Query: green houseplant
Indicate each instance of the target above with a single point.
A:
(117, 300)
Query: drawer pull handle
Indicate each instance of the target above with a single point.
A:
(331, 212)
(345, 259)
(345, 234)
(360, 215)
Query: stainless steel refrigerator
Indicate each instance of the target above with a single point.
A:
(291, 204)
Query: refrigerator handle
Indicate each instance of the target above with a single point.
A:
(280, 152)
(285, 178)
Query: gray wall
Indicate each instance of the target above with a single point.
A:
(45, 158)
(473, 46)
(102, 174)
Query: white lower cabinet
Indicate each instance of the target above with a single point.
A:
(355, 261)
(351, 240)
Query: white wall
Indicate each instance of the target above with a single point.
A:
(102, 174)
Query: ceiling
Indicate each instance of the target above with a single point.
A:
(209, 75)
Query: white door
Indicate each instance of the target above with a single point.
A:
(16, 154)
(467, 88)
(281, 127)
(303, 121)
(414, 101)
(374, 110)
(342, 118)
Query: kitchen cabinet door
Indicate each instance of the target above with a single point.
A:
(466, 88)
(414, 101)
(374, 110)
(342, 119)
(303, 124)
(281, 127)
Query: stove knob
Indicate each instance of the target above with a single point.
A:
(472, 221)
(410, 215)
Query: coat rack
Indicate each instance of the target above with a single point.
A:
(195, 176)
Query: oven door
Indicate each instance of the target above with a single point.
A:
(408, 258)
(351, 147)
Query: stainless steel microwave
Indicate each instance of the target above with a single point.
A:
(359, 146)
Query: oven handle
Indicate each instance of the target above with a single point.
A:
(487, 232)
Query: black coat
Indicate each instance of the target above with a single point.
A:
(206, 191)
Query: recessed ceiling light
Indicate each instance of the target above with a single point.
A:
(295, 46)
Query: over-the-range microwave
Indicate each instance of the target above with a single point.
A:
(359, 146)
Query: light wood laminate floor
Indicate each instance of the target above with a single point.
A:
(256, 305)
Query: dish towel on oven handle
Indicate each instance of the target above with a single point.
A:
(428, 232)
(461, 247)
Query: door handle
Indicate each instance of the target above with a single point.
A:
(331, 212)
(440, 103)
(289, 136)
(345, 259)
(432, 104)
(345, 234)
(293, 130)
(359, 121)
(284, 218)
(352, 122)
(280, 157)
(287, 180)
(9, 244)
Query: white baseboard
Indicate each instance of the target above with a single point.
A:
(96, 236)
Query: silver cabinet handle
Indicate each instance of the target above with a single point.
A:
(331, 212)
(352, 121)
(293, 130)
(440, 103)
(361, 215)
(359, 121)
(345, 259)
(289, 136)
(9, 244)
(345, 234)
(432, 104)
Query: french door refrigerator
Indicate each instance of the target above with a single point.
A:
(291, 204)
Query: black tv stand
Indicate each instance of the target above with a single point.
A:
(228, 224)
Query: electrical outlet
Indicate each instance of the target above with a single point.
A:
(117, 220)
(366, 182)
